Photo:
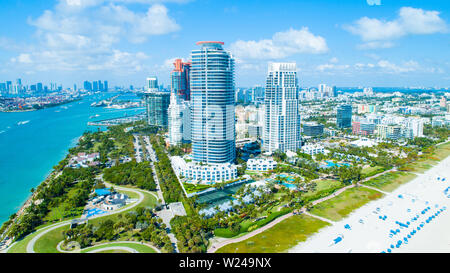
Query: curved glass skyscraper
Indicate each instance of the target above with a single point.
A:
(212, 100)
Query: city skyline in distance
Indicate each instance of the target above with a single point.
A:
(350, 43)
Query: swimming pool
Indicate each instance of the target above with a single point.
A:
(289, 186)
(332, 164)
(92, 212)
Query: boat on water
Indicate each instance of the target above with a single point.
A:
(23, 122)
(94, 116)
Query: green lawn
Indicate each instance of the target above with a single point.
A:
(370, 171)
(423, 164)
(390, 181)
(48, 242)
(137, 246)
(63, 210)
(250, 225)
(340, 206)
(191, 188)
(442, 151)
(324, 185)
(113, 251)
(21, 246)
(279, 238)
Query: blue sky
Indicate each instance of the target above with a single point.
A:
(343, 43)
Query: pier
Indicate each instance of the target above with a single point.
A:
(117, 121)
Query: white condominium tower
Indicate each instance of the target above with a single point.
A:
(282, 118)
(179, 120)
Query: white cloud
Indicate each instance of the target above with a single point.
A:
(334, 60)
(377, 33)
(81, 4)
(382, 66)
(328, 66)
(138, 27)
(167, 65)
(24, 58)
(385, 66)
(376, 44)
(408, 66)
(374, 2)
(282, 44)
(84, 35)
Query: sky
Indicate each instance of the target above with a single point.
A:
(343, 43)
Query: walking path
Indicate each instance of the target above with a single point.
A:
(319, 217)
(137, 149)
(124, 248)
(373, 188)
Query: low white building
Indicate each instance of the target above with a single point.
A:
(114, 201)
(363, 142)
(83, 160)
(204, 172)
(313, 149)
(261, 164)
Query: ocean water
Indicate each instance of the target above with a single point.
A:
(31, 143)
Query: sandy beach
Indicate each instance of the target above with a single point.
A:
(413, 218)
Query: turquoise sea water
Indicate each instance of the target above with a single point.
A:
(31, 143)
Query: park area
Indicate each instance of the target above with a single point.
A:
(49, 241)
(278, 238)
(390, 181)
(427, 161)
(343, 204)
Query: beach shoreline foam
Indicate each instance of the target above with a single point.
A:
(415, 217)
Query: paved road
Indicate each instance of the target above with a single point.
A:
(124, 248)
(106, 244)
(137, 147)
(152, 154)
(165, 214)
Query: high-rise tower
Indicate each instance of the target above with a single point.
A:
(180, 79)
(212, 102)
(282, 118)
(344, 116)
(179, 108)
